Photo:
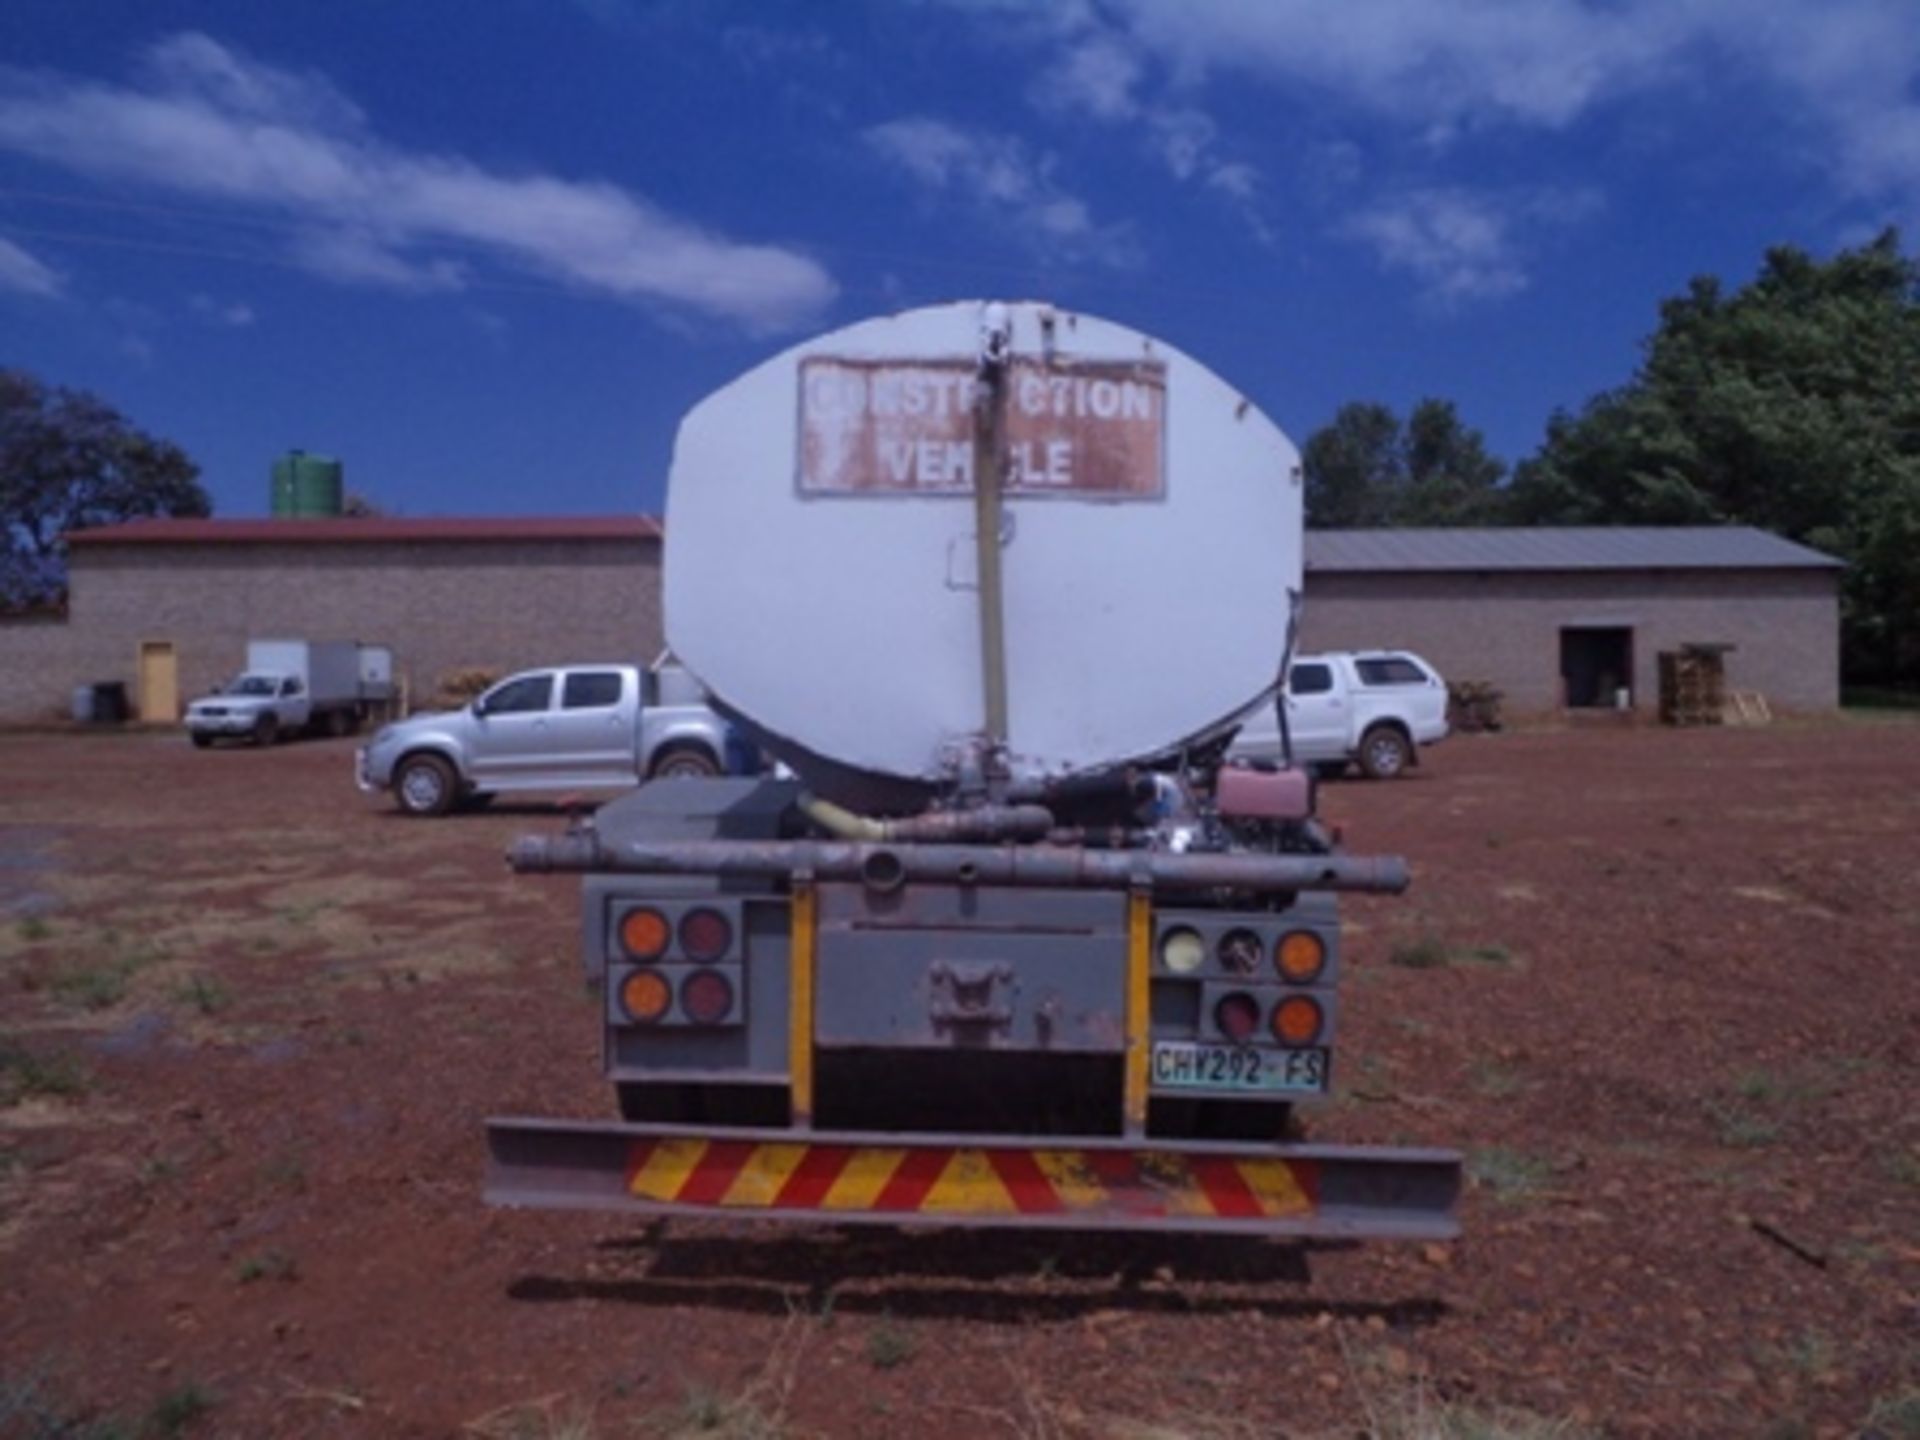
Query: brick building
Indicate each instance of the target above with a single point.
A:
(1550, 616)
(1567, 617)
(167, 606)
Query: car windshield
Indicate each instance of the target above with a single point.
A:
(252, 685)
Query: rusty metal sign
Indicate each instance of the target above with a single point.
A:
(891, 427)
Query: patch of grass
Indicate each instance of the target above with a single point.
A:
(267, 1265)
(1774, 1087)
(23, 1074)
(712, 1414)
(203, 993)
(1499, 1081)
(1897, 1417)
(98, 986)
(1902, 1166)
(286, 1170)
(33, 928)
(28, 1410)
(1513, 1176)
(1743, 1129)
(889, 1346)
(1429, 952)
(175, 1412)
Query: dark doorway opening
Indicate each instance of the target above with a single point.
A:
(1595, 664)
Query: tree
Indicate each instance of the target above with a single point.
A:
(69, 460)
(1790, 404)
(1366, 469)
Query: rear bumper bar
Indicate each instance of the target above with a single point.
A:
(1065, 1184)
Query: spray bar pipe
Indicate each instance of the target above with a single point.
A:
(888, 867)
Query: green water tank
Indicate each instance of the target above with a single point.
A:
(307, 487)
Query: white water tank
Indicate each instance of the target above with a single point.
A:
(821, 557)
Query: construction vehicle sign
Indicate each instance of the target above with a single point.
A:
(907, 428)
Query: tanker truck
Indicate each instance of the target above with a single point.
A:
(1005, 939)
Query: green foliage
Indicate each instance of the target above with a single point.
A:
(23, 1074)
(69, 460)
(1366, 468)
(1790, 404)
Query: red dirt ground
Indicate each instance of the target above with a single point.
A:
(1661, 986)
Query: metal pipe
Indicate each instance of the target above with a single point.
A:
(989, 458)
(981, 823)
(888, 867)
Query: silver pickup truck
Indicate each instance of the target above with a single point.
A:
(577, 727)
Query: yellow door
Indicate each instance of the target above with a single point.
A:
(159, 683)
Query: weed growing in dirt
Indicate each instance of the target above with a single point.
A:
(1897, 1417)
(204, 994)
(1497, 1080)
(1742, 1129)
(889, 1346)
(723, 1417)
(1429, 952)
(27, 1409)
(267, 1265)
(174, 1412)
(33, 928)
(1513, 1176)
(287, 1171)
(24, 1074)
(542, 1420)
(1902, 1166)
(94, 987)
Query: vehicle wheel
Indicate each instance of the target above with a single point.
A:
(266, 730)
(691, 760)
(425, 785)
(201, 742)
(1384, 753)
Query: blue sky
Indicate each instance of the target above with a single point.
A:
(487, 251)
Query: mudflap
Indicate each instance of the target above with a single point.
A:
(1344, 1192)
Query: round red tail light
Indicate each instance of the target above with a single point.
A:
(706, 996)
(705, 934)
(644, 934)
(1237, 1015)
(1297, 1020)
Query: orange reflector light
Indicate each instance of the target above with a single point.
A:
(706, 997)
(645, 996)
(1297, 1020)
(705, 934)
(644, 934)
(1300, 956)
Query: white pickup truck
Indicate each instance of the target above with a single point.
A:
(576, 727)
(1371, 707)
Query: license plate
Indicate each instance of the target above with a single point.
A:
(1239, 1069)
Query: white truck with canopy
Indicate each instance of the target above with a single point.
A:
(290, 687)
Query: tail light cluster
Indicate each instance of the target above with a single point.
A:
(686, 964)
(1253, 978)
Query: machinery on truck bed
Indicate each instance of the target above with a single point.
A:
(1010, 943)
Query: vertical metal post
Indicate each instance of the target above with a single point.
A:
(1139, 1006)
(989, 462)
(800, 986)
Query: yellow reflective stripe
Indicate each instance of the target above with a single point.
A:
(1167, 1173)
(667, 1169)
(804, 924)
(1072, 1178)
(860, 1183)
(1139, 959)
(969, 1185)
(766, 1170)
(1275, 1186)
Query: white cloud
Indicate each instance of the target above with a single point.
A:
(999, 176)
(235, 314)
(22, 273)
(1462, 245)
(205, 120)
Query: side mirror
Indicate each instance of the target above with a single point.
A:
(479, 707)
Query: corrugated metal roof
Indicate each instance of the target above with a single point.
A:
(371, 529)
(1592, 547)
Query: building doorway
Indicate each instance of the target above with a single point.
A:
(1596, 664)
(159, 683)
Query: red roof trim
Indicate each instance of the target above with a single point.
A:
(371, 530)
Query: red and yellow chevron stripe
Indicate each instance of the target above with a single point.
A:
(967, 1181)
